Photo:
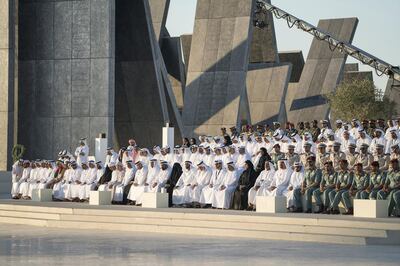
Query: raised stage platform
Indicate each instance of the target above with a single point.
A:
(205, 222)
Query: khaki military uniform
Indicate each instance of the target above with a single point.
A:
(336, 157)
(322, 159)
(365, 160)
(292, 158)
(351, 158)
(304, 156)
(383, 160)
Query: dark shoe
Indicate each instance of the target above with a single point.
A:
(349, 212)
(308, 211)
(298, 210)
(335, 212)
(320, 209)
(327, 211)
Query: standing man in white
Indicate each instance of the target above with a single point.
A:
(82, 152)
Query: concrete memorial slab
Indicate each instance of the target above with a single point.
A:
(217, 68)
(142, 79)
(322, 72)
(266, 89)
(297, 60)
(66, 74)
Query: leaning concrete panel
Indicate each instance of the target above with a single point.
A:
(172, 54)
(351, 67)
(68, 77)
(159, 12)
(358, 75)
(139, 72)
(217, 68)
(322, 72)
(266, 90)
(263, 46)
(186, 42)
(297, 60)
(393, 93)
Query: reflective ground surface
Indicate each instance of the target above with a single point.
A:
(24, 245)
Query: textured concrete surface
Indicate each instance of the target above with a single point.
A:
(217, 65)
(263, 46)
(186, 41)
(266, 89)
(322, 72)
(351, 67)
(290, 94)
(159, 12)
(393, 92)
(141, 78)
(22, 245)
(358, 75)
(66, 74)
(297, 60)
(7, 49)
(5, 185)
(172, 54)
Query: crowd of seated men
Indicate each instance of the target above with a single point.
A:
(320, 165)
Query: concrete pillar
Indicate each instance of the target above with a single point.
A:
(7, 14)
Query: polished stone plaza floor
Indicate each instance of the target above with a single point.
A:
(24, 245)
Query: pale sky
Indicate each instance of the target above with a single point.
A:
(377, 32)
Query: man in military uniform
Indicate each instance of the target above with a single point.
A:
(381, 124)
(357, 189)
(343, 183)
(291, 156)
(336, 156)
(351, 155)
(307, 127)
(328, 183)
(312, 179)
(371, 128)
(301, 129)
(307, 153)
(322, 156)
(382, 158)
(365, 158)
(315, 130)
(376, 180)
(391, 188)
(395, 154)
(276, 155)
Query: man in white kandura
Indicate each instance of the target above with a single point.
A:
(16, 175)
(281, 179)
(82, 152)
(26, 173)
(113, 168)
(202, 179)
(216, 180)
(27, 186)
(222, 197)
(161, 179)
(296, 180)
(129, 175)
(263, 182)
(71, 188)
(88, 181)
(139, 184)
(181, 192)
